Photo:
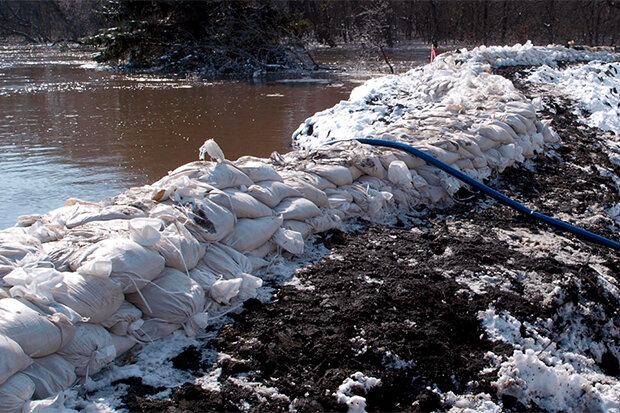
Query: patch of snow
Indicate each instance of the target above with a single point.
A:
(358, 381)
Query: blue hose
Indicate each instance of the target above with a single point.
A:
(556, 223)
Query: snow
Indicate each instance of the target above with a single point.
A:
(357, 381)
(553, 374)
(595, 86)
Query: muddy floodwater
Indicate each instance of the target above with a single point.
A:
(70, 129)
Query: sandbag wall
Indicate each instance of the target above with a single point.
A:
(83, 284)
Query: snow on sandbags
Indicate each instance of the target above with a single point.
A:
(90, 350)
(250, 234)
(50, 375)
(12, 358)
(15, 392)
(37, 334)
(174, 298)
(122, 260)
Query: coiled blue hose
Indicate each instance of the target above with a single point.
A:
(556, 223)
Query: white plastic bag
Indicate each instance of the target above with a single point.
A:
(15, 392)
(250, 234)
(174, 298)
(122, 260)
(222, 291)
(310, 192)
(90, 350)
(50, 375)
(12, 358)
(399, 174)
(37, 334)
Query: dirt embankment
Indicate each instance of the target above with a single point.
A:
(401, 304)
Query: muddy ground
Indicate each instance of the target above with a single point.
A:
(397, 304)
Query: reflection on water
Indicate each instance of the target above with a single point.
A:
(68, 130)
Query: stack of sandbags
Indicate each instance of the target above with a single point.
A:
(84, 283)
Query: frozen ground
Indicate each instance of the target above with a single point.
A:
(470, 308)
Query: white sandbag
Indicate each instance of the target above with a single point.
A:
(257, 171)
(12, 358)
(338, 198)
(90, 350)
(399, 174)
(15, 392)
(80, 214)
(439, 153)
(122, 260)
(271, 193)
(179, 248)
(154, 329)
(4, 293)
(241, 204)
(258, 262)
(370, 165)
(310, 192)
(145, 231)
(122, 344)
(94, 298)
(174, 298)
(125, 321)
(224, 175)
(215, 222)
(222, 291)
(250, 234)
(290, 241)
(50, 375)
(262, 251)
(250, 285)
(516, 122)
(336, 174)
(54, 404)
(313, 179)
(297, 208)
(303, 228)
(203, 275)
(37, 334)
(495, 133)
(226, 261)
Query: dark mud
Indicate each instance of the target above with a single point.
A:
(388, 302)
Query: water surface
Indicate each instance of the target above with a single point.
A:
(69, 129)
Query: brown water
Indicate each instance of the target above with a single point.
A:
(68, 129)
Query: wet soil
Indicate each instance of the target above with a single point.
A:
(388, 301)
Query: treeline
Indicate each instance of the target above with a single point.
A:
(48, 21)
(593, 22)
